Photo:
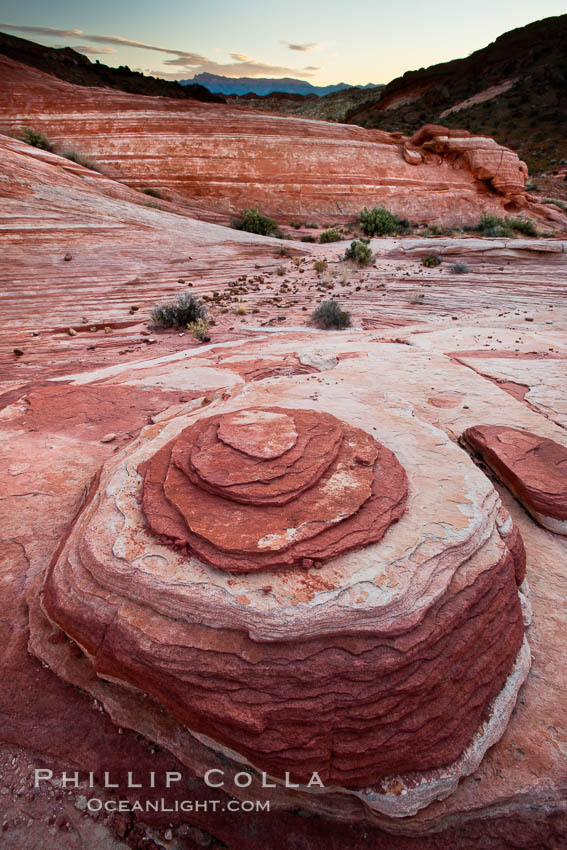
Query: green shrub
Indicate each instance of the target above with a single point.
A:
(492, 225)
(308, 238)
(254, 222)
(330, 315)
(36, 139)
(430, 261)
(359, 251)
(379, 221)
(80, 160)
(459, 268)
(152, 192)
(331, 235)
(524, 225)
(320, 266)
(200, 330)
(180, 313)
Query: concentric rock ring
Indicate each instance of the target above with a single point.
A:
(389, 671)
(321, 489)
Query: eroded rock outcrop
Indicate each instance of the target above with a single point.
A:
(386, 656)
(533, 467)
(486, 160)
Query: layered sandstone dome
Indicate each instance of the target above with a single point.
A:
(259, 489)
(341, 596)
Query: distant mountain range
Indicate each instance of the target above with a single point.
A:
(263, 85)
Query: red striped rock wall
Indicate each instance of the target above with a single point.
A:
(226, 158)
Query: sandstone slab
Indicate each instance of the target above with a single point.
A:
(533, 467)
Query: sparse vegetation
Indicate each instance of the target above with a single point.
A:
(185, 310)
(416, 297)
(280, 271)
(459, 268)
(379, 221)
(308, 238)
(329, 315)
(430, 261)
(152, 192)
(241, 310)
(254, 222)
(524, 226)
(320, 266)
(74, 156)
(36, 139)
(331, 235)
(359, 252)
(495, 227)
(200, 330)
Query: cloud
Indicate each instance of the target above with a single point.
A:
(312, 68)
(44, 31)
(191, 63)
(243, 66)
(312, 45)
(96, 51)
(104, 39)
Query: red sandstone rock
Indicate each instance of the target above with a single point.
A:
(336, 489)
(424, 670)
(485, 158)
(533, 467)
(290, 167)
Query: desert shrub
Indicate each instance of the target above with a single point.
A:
(492, 225)
(320, 266)
(331, 235)
(179, 313)
(254, 222)
(329, 315)
(459, 268)
(430, 261)
(523, 225)
(74, 156)
(359, 251)
(152, 192)
(308, 238)
(241, 310)
(36, 139)
(280, 271)
(200, 330)
(379, 221)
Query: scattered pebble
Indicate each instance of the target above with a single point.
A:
(108, 438)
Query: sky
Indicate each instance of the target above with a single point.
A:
(321, 41)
